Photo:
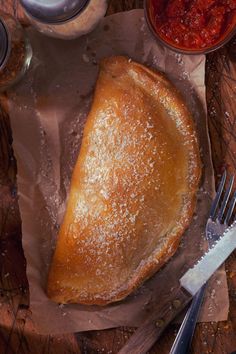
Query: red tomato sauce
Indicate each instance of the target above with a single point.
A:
(193, 24)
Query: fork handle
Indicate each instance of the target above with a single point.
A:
(185, 334)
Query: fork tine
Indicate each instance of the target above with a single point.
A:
(225, 199)
(231, 209)
(218, 195)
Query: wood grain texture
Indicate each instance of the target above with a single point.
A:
(147, 334)
(17, 334)
(14, 8)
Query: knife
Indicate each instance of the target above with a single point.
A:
(189, 284)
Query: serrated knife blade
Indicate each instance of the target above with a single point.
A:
(197, 276)
(147, 334)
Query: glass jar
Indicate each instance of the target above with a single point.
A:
(15, 51)
(65, 19)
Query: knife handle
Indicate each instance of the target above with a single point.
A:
(147, 334)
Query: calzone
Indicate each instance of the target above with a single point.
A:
(133, 188)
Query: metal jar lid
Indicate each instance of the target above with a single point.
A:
(3, 43)
(53, 11)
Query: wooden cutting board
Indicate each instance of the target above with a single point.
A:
(17, 334)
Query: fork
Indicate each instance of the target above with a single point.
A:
(216, 225)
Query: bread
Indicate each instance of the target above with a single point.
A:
(133, 188)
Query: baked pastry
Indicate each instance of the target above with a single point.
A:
(133, 188)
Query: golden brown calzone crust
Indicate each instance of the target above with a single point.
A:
(133, 188)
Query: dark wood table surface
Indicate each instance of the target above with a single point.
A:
(17, 334)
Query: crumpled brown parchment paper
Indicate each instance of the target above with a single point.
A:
(47, 111)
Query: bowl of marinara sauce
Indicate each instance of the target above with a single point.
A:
(192, 26)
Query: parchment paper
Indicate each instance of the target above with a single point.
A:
(48, 110)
